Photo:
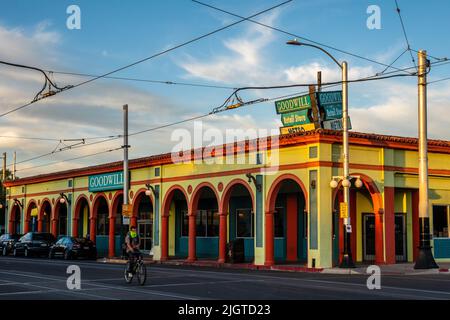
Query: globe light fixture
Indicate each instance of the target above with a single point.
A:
(333, 184)
(346, 183)
(358, 183)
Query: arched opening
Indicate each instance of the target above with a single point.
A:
(15, 220)
(100, 226)
(286, 222)
(204, 223)
(31, 218)
(238, 204)
(177, 210)
(117, 235)
(366, 224)
(61, 219)
(143, 211)
(45, 217)
(81, 218)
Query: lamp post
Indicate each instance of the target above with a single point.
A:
(347, 260)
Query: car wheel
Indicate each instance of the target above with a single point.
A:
(67, 255)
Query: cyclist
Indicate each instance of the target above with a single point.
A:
(132, 243)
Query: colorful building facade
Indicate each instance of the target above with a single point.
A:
(275, 196)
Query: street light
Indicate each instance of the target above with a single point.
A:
(64, 198)
(347, 261)
(151, 189)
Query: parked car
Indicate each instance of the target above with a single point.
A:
(34, 243)
(72, 248)
(7, 242)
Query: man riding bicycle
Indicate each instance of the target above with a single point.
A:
(132, 243)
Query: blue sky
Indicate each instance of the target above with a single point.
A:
(115, 33)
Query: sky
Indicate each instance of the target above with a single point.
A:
(116, 33)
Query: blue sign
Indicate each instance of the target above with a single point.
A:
(106, 181)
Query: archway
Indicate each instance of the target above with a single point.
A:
(203, 223)
(175, 216)
(15, 220)
(31, 217)
(99, 227)
(238, 206)
(286, 222)
(80, 221)
(59, 220)
(44, 217)
(366, 223)
(143, 213)
(117, 230)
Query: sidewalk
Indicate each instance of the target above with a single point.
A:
(393, 269)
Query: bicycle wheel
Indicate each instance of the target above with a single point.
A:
(128, 278)
(142, 274)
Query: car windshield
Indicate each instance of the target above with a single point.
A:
(43, 236)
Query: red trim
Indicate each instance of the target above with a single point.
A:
(222, 237)
(192, 238)
(269, 239)
(115, 203)
(389, 220)
(111, 236)
(12, 219)
(197, 193)
(320, 135)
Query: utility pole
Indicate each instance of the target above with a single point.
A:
(4, 169)
(125, 154)
(425, 260)
(319, 81)
(14, 167)
(347, 259)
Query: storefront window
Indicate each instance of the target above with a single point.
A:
(278, 218)
(440, 221)
(201, 223)
(212, 229)
(102, 224)
(244, 223)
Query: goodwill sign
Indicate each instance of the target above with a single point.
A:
(106, 181)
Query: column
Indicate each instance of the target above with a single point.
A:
(40, 224)
(269, 238)
(111, 237)
(389, 220)
(92, 229)
(164, 237)
(54, 224)
(192, 238)
(222, 237)
(75, 227)
(292, 227)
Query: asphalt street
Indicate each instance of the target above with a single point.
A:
(34, 278)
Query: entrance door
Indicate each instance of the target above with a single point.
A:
(335, 227)
(400, 238)
(145, 234)
(369, 237)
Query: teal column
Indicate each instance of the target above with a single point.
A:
(156, 220)
(259, 213)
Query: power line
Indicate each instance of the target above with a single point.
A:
(68, 160)
(296, 36)
(147, 80)
(56, 139)
(156, 54)
(408, 46)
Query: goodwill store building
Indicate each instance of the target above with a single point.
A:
(286, 212)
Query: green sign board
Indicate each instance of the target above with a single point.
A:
(106, 181)
(293, 104)
(331, 103)
(295, 118)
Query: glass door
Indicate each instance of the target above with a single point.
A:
(400, 238)
(369, 236)
(145, 228)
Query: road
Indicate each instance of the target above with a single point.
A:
(33, 278)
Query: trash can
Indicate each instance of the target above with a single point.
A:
(235, 251)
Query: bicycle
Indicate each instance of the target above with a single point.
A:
(139, 269)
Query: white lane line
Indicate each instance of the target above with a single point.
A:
(171, 295)
(200, 283)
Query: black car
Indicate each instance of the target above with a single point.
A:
(7, 242)
(71, 248)
(34, 243)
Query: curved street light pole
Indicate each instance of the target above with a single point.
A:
(347, 260)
